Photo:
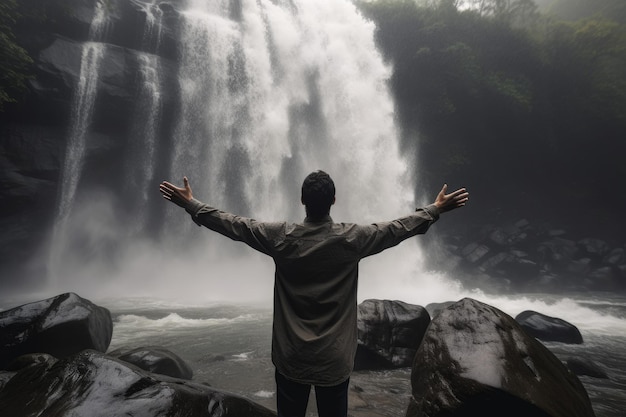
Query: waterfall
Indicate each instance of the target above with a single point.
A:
(81, 113)
(270, 90)
(274, 90)
(82, 110)
(140, 166)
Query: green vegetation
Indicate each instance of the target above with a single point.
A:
(582, 9)
(14, 60)
(495, 92)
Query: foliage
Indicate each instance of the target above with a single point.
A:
(14, 60)
(489, 90)
(580, 9)
(515, 12)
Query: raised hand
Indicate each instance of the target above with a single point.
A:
(446, 202)
(177, 195)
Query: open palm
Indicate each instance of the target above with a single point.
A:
(177, 195)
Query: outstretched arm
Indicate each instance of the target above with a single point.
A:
(177, 195)
(446, 202)
(258, 235)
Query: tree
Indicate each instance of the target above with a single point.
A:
(14, 60)
(513, 12)
(481, 97)
(580, 9)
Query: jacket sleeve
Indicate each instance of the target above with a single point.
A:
(258, 235)
(380, 236)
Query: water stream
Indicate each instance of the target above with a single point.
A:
(269, 91)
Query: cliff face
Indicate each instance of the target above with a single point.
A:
(48, 157)
(35, 133)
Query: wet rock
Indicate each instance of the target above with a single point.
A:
(35, 132)
(593, 246)
(616, 256)
(5, 376)
(476, 360)
(92, 384)
(389, 333)
(61, 326)
(155, 359)
(558, 250)
(435, 308)
(548, 328)
(474, 252)
(31, 359)
(532, 256)
(584, 366)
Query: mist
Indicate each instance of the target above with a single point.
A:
(264, 99)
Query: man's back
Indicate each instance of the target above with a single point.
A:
(314, 334)
(315, 291)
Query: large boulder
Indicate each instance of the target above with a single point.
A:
(585, 366)
(477, 360)
(61, 326)
(92, 384)
(548, 328)
(435, 308)
(389, 333)
(155, 359)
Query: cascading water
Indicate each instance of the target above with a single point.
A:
(140, 167)
(273, 91)
(269, 91)
(82, 111)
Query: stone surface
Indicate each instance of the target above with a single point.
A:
(389, 333)
(60, 326)
(92, 384)
(584, 366)
(35, 133)
(155, 359)
(529, 255)
(548, 328)
(476, 360)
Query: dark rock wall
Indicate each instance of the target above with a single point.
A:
(34, 133)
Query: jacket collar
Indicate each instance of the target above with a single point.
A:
(324, 219)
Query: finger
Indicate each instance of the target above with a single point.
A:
(185, 182)
(168, 185)
(459, 191)
(166, 193)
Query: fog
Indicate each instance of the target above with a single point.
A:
(263, 102)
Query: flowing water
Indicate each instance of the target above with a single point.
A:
(269, 91)
(140, 166)
(228, 346)
(82, 112)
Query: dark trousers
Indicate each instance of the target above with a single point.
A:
(292, 398)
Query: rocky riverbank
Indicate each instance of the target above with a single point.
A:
(488, 355)
(528, 254)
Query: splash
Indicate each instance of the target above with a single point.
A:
(277, 91)
(269, 91)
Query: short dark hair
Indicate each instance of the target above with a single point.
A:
(318, 194)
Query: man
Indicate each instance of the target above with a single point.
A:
(314, 334)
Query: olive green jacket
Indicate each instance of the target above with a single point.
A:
(314, 335)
